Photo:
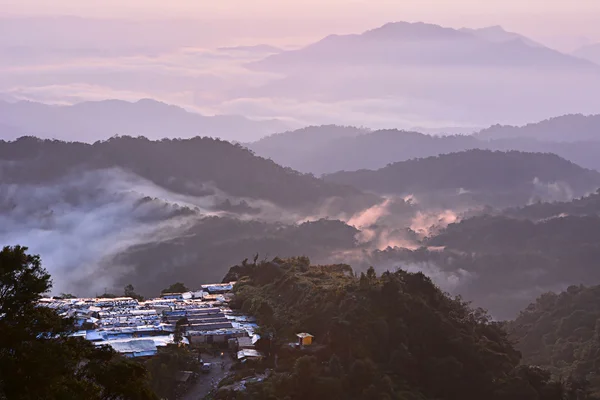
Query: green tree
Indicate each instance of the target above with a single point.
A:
(177, 287)
(180, 329)
(38, 358)
(129, 291)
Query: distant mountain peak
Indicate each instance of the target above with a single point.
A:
(422, 44)
(497, 28)
(497, 33)
(412, 30)
(92, 120)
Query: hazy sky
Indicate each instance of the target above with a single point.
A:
(538, 18)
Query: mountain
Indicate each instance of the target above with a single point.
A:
(584, 206)
(405, 74)
(204, 250)
(503, 260)
(479, 176)
(446, 130)
(516, 259)
(393, 336)
(567, 128)
(559, 332)
(420, 44)
(90, 121)
(132, 209)
(328, 149)
(590, 53)
(324, 152)
(497, 34)
(296, 148)
(187, 166)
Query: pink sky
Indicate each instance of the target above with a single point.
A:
(540, 19)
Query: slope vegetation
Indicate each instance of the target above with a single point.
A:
(495, 178)
(396, 336)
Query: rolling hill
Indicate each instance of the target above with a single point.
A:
(498, 34)
(141, 211)
(329, 149)
(566, 128)
(485, 177)
(91, 121)
(187, 166)
(559, 332)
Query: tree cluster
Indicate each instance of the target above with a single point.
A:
(394, 336)
(561, 332)
(38, 357)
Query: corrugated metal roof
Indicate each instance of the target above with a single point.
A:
(249, 353)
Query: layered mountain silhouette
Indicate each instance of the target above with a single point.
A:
(423, 72)
(329, 149)
(90, 121)
(480, 176)
(421, 44)
(193, 167)
(498, 34)
(567, 128)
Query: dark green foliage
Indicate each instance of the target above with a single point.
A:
(38, 360)
(107, 295)
(164, 367)
(129, 291)
(180, 329)
(511, 261)
(396, 336)
(561, 333)
(214, 244)
(176, 288)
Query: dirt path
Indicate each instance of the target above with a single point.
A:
(206, 382)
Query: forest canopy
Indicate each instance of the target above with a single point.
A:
(394, 336)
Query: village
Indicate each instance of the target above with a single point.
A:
(200, 319)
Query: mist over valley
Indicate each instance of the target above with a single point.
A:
(395, 209)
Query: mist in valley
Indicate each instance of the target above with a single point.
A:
(413, 185)
(356, 140)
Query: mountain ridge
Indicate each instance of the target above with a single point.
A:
(93, 120)
(393, 42)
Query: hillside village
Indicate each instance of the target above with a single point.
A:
(138, 328)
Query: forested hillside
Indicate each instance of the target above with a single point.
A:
(327, 149)
(485, 177)
(394, 336)
(192, 167)
(560, 332)
(587, 205)
(206, 250)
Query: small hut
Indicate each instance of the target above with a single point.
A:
(304, 339)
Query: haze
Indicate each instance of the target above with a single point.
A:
(577, 19)
(316, 87)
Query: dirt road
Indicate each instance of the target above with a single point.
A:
(207, 382)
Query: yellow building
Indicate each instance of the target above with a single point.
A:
(304, 339)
